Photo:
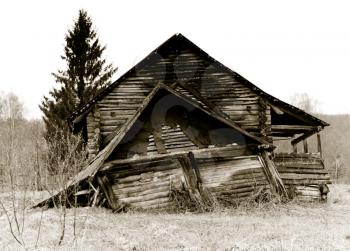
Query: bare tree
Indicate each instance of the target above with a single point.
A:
(305, 102)
(11, 114)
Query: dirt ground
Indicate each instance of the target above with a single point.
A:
(292, 226)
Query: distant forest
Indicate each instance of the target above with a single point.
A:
(23, 148)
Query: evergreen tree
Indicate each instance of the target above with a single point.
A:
(86, 73)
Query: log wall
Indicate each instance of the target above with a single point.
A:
(304, 173)
(94, 132)
(233, 177)
(147, 183)
(122, 102)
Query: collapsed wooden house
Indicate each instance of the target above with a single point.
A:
(180, 120)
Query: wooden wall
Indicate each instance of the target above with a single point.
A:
(303, 173)
(94, 132)
(122, 102)
(233, 177)
(147, 183)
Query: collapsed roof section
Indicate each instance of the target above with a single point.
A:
(224, 132)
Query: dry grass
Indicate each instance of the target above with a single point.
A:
(265, 227)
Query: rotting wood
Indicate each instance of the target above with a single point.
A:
(243, 182)
(299, 166)
(123, 194)
(140, 188)
(108, 193)
(273, 176)
(200, 153)
(233, 187)
(300, 176)
(230, 168)
(160, 202)
(231, 178)
(301, 171)
(190, 177)
(147, 197)
(306, 182)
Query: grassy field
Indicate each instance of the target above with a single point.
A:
(292, 226)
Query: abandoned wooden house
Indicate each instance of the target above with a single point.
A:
(180, 120)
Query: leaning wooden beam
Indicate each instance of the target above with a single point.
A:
(319, 145)
(303, 137)
(108, 192)
(273, 176)
(203, 192)
(190, 178)
(95, 197)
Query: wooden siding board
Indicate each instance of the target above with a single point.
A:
(302, 171)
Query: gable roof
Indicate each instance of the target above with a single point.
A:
(180, 41)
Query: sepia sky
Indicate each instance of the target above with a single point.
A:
(283, 48)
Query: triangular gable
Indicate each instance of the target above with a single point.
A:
(179, 41)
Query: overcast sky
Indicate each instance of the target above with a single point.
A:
(283, 47)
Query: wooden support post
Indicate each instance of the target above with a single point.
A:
(195, 166)
(273, 176)
(205, 194)
(295, 148)
(306, 150)
(191, 179)
(108, 192)
(319, 145)
(93, 203)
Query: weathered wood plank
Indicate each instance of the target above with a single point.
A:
(108, 192)
(272, 175)
(146, 197)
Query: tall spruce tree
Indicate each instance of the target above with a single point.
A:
(86, 72)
